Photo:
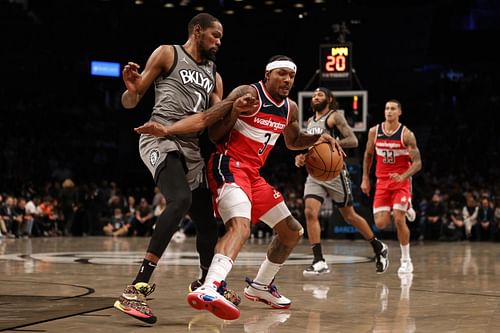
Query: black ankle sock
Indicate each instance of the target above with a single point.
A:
(318, 254)
(145, 271)
(376, 244)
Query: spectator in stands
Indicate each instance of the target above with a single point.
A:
(496, 214)
(156, 197)
(21, 218)
(49, 216)
(160, 206)
(486, 220)
(7, 212)
(470, 211)
(436, 212)
(130, 209)
(34, 216)
(69, 205)
(453, 228)
(117, 226)
(115, 201)
(144, 219)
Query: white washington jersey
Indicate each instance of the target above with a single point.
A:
(179, 93)
(253, 136)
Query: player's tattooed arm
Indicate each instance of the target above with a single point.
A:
(243, 100)
(349, 139)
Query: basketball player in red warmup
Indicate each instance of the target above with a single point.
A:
(241, 195)
(326, 119)
(397, 160)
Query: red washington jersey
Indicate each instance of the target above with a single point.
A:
(253, 136)
(392, 153)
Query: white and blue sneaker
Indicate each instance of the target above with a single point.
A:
(269, 294)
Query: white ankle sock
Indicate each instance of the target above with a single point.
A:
(267, 272)
(219, 269)
(405, 251)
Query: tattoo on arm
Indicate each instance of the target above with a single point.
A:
(226, 120)
(349, 139)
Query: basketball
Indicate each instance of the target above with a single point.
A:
(322, 163)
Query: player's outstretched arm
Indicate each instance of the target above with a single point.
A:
(245, 102)
(295, 139)
(198, 121)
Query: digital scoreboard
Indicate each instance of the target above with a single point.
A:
(335, 62)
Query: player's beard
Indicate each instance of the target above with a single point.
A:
(210, 54)
(320, 106)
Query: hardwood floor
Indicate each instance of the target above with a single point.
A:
(65, 284)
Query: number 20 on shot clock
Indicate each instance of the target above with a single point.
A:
(335, 61)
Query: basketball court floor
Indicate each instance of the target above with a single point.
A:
(70, 284)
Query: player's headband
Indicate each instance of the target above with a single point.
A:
(326, 91)
(281, 64)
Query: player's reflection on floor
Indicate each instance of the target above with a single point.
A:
(401, 321)
(318, 291)
(266, 322)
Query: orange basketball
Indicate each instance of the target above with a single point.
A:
(324, 162)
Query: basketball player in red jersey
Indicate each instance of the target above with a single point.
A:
(397, 160)
(241, 196)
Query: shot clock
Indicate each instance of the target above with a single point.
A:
(335, 62)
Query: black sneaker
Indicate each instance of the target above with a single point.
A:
(382, 259)
(194, 285)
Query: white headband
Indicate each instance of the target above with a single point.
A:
(281, 64)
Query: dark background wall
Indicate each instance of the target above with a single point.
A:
(438, 57)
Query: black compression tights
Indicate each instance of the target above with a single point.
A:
(207, 231)
(174, 187)
(179, 197)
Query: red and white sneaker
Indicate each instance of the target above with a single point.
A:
(207, 298)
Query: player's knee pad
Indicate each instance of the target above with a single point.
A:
(232, 202)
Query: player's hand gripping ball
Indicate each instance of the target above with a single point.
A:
(324, 162)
